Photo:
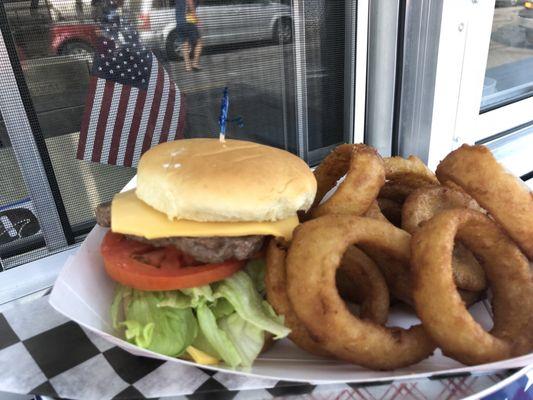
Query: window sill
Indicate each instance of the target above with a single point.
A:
(32, 277)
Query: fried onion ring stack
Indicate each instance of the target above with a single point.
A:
(508, 200)
(441, 309)
(422, 205)
(365, 175)
(317, 304)
(403, 176)
(437, 242)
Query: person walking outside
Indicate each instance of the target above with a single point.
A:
(187, 25)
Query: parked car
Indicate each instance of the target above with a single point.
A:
(43, 28)
(74, 39)
(222, 22)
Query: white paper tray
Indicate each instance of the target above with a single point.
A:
(83, 292)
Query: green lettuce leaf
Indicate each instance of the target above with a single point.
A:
(216, 337)
(201, 343)
(221, 308)
(247, 338)
(123, 296)
(199, 295)
(174, 299)
(226, 319)
(256, 270)
(239, 290)
(164, 330)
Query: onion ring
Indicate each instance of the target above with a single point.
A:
(470, 297)
(363, 285)
(403, 175)
(312, 261)
(504, 196)
(398, 276)
(391, 210)
(375, 212)
(396, 273)
(396, 191)
(276, 292)
(399, 281)
(360, 281)
(365, 174)
(422, 205)
(439, 306)
(410, 171)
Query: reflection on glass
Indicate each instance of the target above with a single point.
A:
(18, 219)
(325, 52)
(509, 77)
(248, 47)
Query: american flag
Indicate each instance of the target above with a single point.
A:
(132, 103)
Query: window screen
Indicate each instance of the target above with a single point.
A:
(19, 227)
(250, 47)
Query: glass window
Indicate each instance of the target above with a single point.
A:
(324, 52)
(159, 4)
(508, 75)
(79, 57)
(19, 227)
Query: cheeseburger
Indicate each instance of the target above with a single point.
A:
(185, 246)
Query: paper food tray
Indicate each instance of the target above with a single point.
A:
(83, 292)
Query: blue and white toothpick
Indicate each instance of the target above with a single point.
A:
(223, 119)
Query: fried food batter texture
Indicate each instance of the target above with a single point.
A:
(422, 205)
(392, 211)
(403, 176)
(365, 174)
(359, 277)
(503, 195)
(360, 281)
(374, 211)
(409, 171)
(438, 304)
(312, 260)
(276, 291)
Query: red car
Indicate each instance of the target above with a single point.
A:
(74, 39)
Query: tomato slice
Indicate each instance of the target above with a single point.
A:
(145, 267)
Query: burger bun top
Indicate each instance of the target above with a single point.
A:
(210, 180)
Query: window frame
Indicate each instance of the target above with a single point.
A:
(457, 118)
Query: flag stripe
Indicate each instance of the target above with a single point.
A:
(102, 121)
(168, 114)
(89, 104)
(132, 104)
(97, 105)
(154, 110)
(161, 109)
(175, 116)
(134, 129)
(116, 136)
(111, 121)
(128, 119)
(146, 110)
(181, 123)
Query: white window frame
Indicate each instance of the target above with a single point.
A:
(464, 42)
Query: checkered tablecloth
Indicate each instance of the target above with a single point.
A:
(42, 352)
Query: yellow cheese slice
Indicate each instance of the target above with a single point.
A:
(131, 216)
(200, 357)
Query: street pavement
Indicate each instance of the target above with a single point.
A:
(508, 40)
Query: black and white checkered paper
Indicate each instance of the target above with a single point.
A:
(42, 352)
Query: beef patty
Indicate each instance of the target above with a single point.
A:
(212, 249)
